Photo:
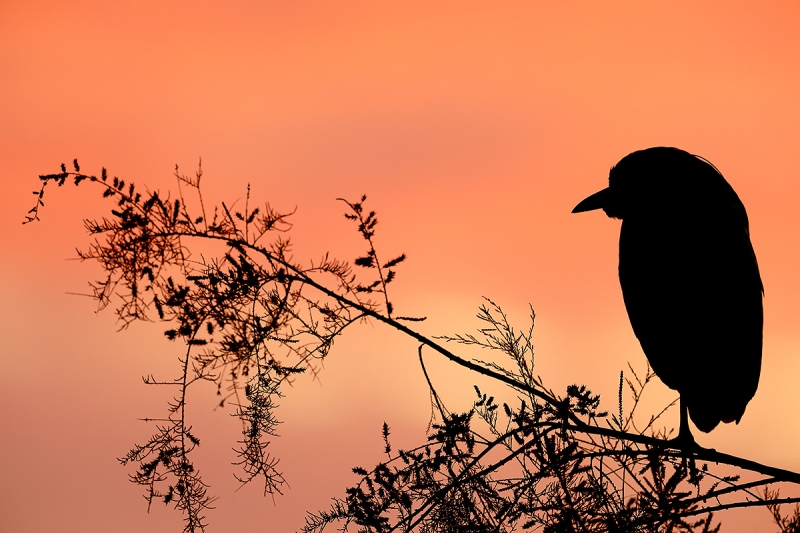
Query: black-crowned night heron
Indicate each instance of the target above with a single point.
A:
(689, 279)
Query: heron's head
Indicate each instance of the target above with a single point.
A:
(655, 181)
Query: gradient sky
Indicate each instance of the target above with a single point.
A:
(473, 128)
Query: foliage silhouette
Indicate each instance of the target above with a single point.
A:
(252, 320)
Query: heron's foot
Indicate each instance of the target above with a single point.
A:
(685, 442)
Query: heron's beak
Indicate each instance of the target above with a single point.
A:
(596, 201)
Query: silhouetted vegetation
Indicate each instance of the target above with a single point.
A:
(252, 319)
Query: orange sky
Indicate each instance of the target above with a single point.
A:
(474, 129)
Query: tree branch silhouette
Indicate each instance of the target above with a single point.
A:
(253, 320)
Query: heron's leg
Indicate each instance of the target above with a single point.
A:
(685, 439)
(685, 434)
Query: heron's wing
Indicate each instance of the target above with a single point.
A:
(693, 295)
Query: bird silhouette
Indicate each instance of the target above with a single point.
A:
(689, 279)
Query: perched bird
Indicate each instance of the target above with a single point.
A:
(689, 279)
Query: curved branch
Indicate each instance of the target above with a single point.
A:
(703, 454)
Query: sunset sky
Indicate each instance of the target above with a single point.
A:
(473, 128)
